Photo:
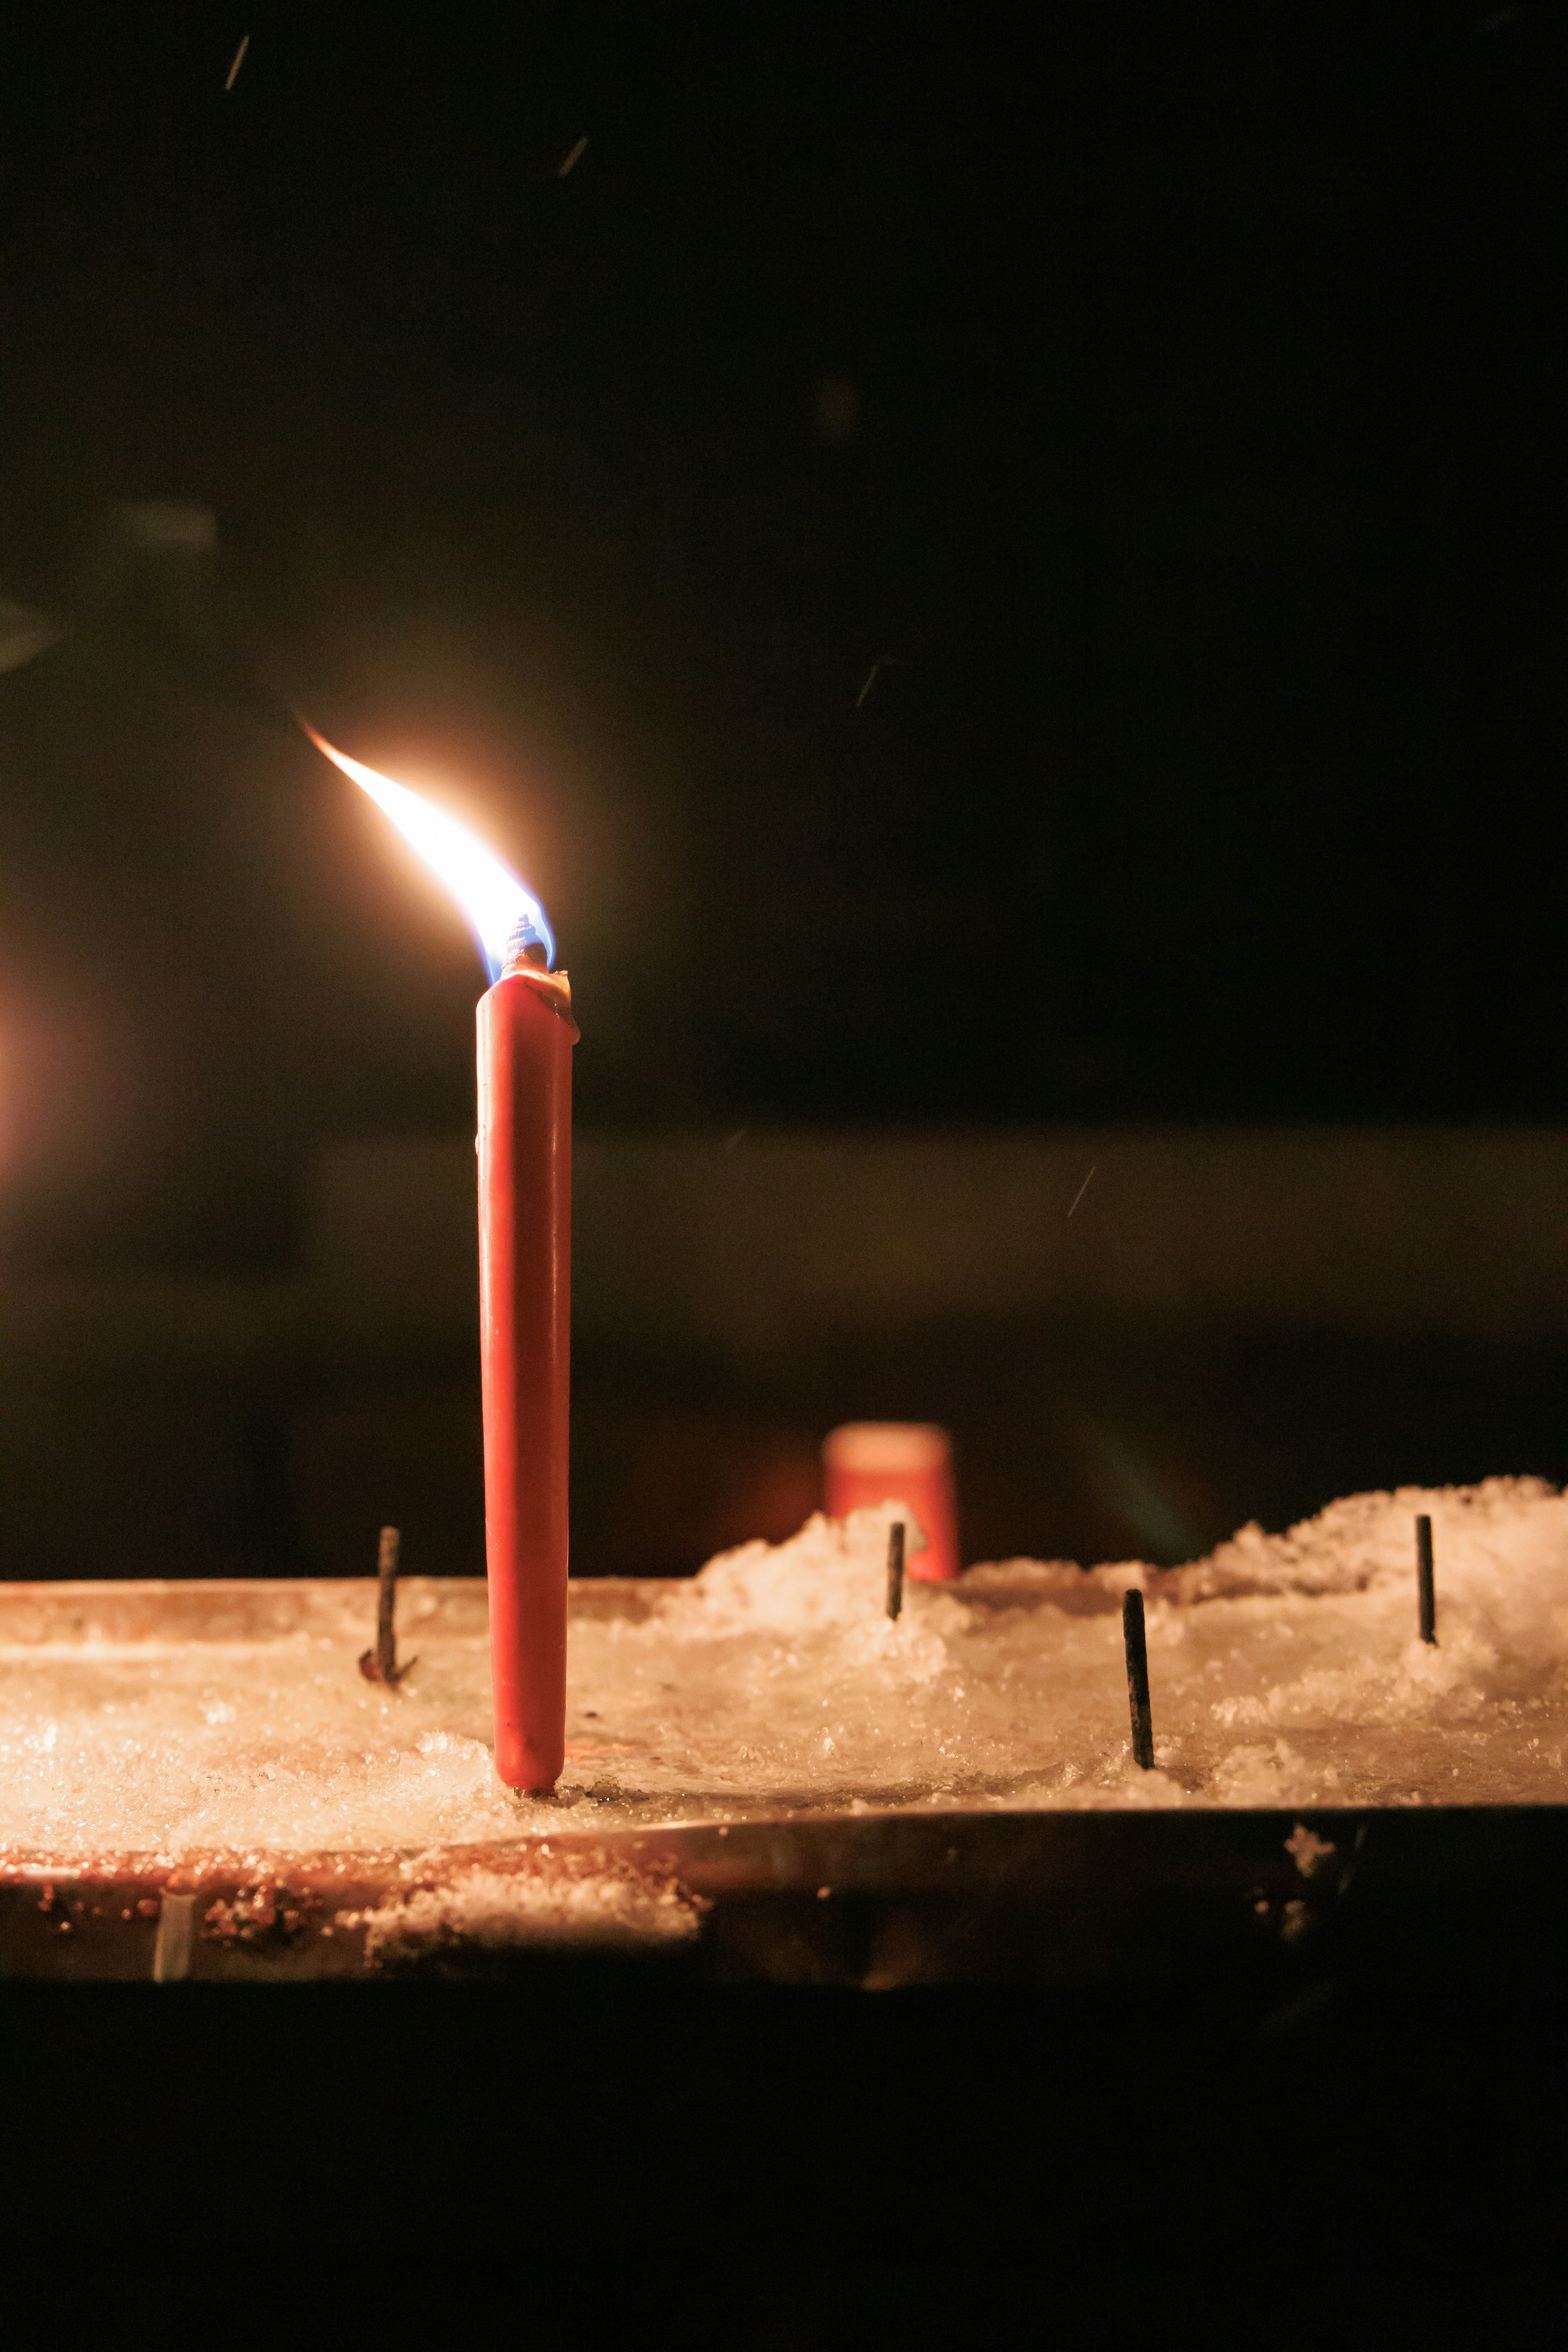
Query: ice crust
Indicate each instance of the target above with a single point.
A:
(591, 1902)
(1285, 1671)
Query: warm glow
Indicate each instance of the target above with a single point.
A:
(503, 912)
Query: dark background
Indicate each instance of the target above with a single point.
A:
(1170, 399)
(1176, 393)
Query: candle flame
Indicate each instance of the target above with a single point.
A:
(503, 913)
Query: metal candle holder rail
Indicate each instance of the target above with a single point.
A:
(1228, 1908)
(1228, 1904)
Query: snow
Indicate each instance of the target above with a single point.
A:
(1285, 1671)
(579, 1899)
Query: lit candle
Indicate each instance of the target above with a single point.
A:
(526, 1033)
(525, 1037)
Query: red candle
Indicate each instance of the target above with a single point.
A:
(908, 1462)
(526, 1033)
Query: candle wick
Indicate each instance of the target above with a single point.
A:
(895, 1568)
(524, 949)
(380, 1664)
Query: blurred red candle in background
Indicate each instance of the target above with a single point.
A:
(910, 1461)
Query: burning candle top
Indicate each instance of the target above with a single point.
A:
(525, 1039)
(505, 917)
